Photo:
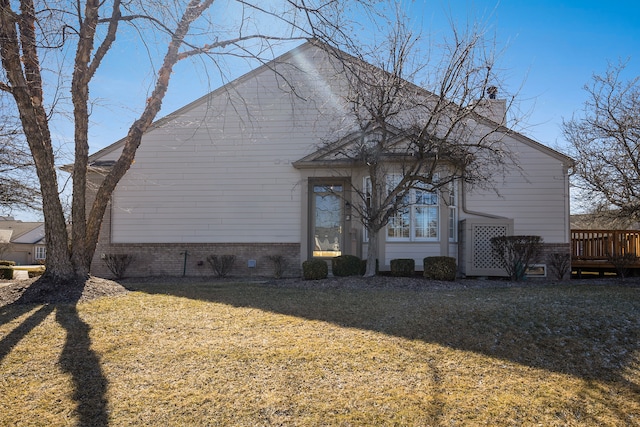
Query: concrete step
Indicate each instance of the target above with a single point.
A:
(20, 274)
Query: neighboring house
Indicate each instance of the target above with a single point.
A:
(602, 221)
(22, 242)
(242, 171)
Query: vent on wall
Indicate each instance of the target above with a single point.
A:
(476, 257)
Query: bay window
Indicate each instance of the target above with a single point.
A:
(418, 217)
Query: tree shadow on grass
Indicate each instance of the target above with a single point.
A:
(77, 358)
(592, 332)
(11, 312)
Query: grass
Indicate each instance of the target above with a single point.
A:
(233, 354)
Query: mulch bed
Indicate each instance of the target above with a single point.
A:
(39, 291)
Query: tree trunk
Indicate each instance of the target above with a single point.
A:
(372, 253)
(22, 69)
(82, 74)
(137, 130)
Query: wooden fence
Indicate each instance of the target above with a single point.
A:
(596, 248)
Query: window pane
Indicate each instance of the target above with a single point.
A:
(41, 252)
(393, 180)
(452, 195)
(426, 197)
(426, 222)
(453, 220)
(327, 221)
(418, 214)
(399, 224)
(327, 188)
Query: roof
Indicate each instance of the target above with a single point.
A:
(17, 231)
(333, 154)
(95, 159)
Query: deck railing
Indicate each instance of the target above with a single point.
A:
(604, 245)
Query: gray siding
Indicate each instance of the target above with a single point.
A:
(221, 171)
(536, 195)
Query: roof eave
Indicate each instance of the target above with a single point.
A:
(315, 164)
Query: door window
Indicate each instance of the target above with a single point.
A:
(327, 220)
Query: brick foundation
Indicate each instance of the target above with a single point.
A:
(555, 248)
(168, 259)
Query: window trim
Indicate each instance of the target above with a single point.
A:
(453, 211)
(40, 252)
(413, 207)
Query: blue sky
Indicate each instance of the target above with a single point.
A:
(553, 48)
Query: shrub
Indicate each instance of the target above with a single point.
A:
(515, 253)
(6, 272)
(36, 273)
(403, 267)
(622, 263)
(6, 269)
(118, 263)
(315, 269)
(559, 264)
(279, 264)
(346, 265)
(222, 264)
(440, 268)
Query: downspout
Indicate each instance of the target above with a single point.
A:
(469, 212)
(184, 264)
(567, 204)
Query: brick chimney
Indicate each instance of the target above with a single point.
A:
(493, 108)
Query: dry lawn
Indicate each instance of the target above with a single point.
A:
(326, 353)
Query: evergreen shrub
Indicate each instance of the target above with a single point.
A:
(346, 265)
(403, 267)
(6, 269)
(440, 268)
(315, 269)
(6, 272)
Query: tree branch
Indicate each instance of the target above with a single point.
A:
(222, 44)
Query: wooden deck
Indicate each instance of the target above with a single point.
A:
(594, 250)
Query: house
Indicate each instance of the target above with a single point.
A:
(602, 221)
(22, 242)
(245, 170)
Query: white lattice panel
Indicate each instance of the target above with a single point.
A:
(482, 255)
(475, 245)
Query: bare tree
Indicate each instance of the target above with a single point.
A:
(604, 140)
(33, 31)
(18, 187)
(419, 142)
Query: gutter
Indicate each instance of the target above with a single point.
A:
(475, 213)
